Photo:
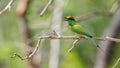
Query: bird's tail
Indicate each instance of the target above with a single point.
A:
(90, 38)
(92, 41)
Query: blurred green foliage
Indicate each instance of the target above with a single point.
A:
(83, 56)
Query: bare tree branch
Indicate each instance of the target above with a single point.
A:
(62, 37)
(46, 7)
(36, 48)
(74, 45)
(8, 6)
(30, 55)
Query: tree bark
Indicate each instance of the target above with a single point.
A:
(56, 25)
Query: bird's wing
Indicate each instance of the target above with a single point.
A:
(79, 29)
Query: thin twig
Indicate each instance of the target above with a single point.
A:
(46, 7)
(30, 55)
(16, 55)
(116, 63)
(61, 37)
(35, 50)
(8, 6)
(74, 45)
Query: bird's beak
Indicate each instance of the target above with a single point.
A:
(66, 19)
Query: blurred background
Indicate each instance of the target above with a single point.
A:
(23, 24)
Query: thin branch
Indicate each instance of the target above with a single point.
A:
(14, 55)
(35, 50)
(30, 55)
(8, 6)
(80, 37)
(116, 63)
(74, 45)
(46, 7)
(61, 37)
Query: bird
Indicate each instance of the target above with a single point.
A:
(77, 28)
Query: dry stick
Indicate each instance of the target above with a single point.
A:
(8, 6)
(116, 63)
(74, 45)
(36, 48)
(32, 54)
(14, 55)
(61, 37)
(46, 7)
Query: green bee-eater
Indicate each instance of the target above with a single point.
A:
(77, 28)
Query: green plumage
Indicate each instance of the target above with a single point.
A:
(77, 28)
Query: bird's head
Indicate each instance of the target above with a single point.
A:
(67, 18)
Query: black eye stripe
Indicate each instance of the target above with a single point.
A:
(71, 19)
